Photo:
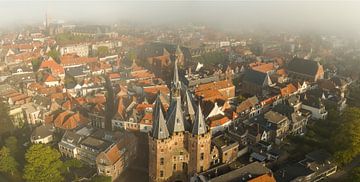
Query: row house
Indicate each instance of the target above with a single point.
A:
(275, 126)
(110, 152)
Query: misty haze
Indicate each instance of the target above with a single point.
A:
(179, 91)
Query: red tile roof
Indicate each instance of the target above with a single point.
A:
(53, 66)
(288, 90)
(69, 120)
(214, 122)
(263, 178)
(262, 67)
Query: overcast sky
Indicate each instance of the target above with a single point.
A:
(278, 15)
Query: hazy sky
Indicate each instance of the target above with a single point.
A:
(278, 15)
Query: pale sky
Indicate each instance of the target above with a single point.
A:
(339, 16)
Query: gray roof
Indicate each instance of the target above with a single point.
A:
(159, 129)
(199, 126)
(76, 71)
(255, 77)
(42, 131)
(71, 137)
(42, 101)
(303, 66)
(189, 103)
(175, 120)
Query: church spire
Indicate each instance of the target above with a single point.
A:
(176, 74)
(159, 129)
(199, 126)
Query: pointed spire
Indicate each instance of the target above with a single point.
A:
(190, 110)
(199, 126)
(175, 120)
(178, 51)
(176, 74)
(159, 129)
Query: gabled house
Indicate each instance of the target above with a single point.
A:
(69, 120)
(117, 158)
(315, 105)
(302, 69)
(274, 126)
(255, 82)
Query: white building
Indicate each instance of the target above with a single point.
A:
(79, 49)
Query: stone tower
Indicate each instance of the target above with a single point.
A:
(178, 149)
(199, 145)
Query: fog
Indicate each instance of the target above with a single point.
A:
(319, 16)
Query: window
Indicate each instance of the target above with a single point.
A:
(201, 168)
(174, 167)
(161, 161)
(202, 156)
(161, 173)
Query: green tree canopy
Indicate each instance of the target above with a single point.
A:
(101, 179)
(5, 121)
(54, 54)
(43, 164)
(7, 162)
(69, 80)
(347, 138)
(12, 143)
(355, 175)
(102, 51)
(35, 64)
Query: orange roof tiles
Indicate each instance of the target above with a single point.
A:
(113, 154)
(147, 119)
(214, 122)
(35, 86)
(214, 85)
(142, 74)
(281, 72)
(97, 99)
(69, 60)
(51, 78)
(154, 89)
(53, 66)
(263, 178)
(143, 106)
(288, 90)
(262, 67)
(114, 75)
(69, 120)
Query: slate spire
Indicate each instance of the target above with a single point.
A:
(159, 129)
(199, 126)
(175, 120)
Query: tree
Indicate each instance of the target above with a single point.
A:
(101, 179)
(43, 164)
(347, 138)
(35, 64)
(102, 51)
(7, 162)
(69, 80)
(12, 144)
(69, 164)
(355, 174)
(55, 55)
(5, 121)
